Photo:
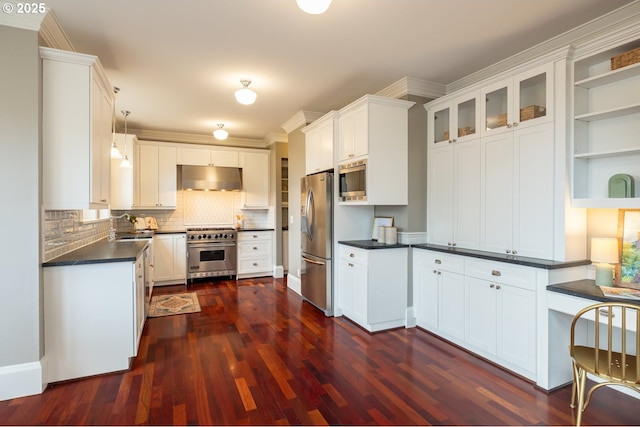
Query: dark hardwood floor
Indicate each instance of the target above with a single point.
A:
(256, 354)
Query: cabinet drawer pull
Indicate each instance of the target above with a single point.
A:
(103, 200)
(255, 249)
(255, 264)
(255, 236)
(438, 261)
(351, 255)
(496, 273)
(350, 265)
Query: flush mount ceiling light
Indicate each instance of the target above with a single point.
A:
(126, 164)
(245, 95)
(314, 7)
(220, 133)
(115, 153)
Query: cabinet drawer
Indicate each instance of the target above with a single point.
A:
(518, 276)
(252, 236)
(354, 255)
(439, 260)
(254, 265)
(257, 248)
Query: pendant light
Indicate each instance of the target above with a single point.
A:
(126, 164)
(314, 7)
(115, 153)
(245, 95)
(220, 133)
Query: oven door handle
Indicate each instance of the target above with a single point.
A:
(201, 245)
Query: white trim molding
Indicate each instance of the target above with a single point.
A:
(294, 283)
(411, 86)
(301, 118)
(25, 379)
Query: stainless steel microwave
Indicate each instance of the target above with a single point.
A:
(353, 181)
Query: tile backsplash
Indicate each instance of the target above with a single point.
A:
(64, 232)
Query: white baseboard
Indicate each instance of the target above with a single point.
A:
(21, 380)
(294, 284)
(410, 321)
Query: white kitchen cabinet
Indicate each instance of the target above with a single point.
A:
(372, 286)
(376, 128)
(77, 106)
(517, 192)
(319, 143)
(203, 156)
(169, 258)
(454, 121)
(438, 286)
(527, 99)
(500, 304)
(255, 253)
(606, 126)
(157, 176)
(453, 217)
(93, 318)
(255, 179)
(122, 183)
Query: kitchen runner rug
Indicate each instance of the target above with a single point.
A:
(167, 305)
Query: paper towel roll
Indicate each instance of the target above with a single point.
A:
(381, 234)
(391, 235)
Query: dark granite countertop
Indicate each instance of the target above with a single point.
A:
(371, 244)
(586, 289)
(511, 259)
(101, 252)
(254, 229)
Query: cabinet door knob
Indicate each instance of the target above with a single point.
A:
(514, 252)
(350, 265)
(509, 125)
(497, 286)
(435, 271)
(255, 248)
(351, 255)
(438, 261)
(439, 272)
(496, 273)
(492, 286)
(453, 244)
(508, 251)
(515, 124)
(255, 264)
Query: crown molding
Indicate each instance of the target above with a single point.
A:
(274, 138)
(412, 86)
(189, 138)
(301, 118)
(52, 34)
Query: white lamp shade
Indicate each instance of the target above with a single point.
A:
(246, 96)
(604, 250)
(220, 134)
(115, 153)
(314, 7)
(126, 164)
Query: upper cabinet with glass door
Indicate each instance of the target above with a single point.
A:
(523, 100)
(455, 120)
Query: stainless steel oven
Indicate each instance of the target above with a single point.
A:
(211, 252)
(353, 181)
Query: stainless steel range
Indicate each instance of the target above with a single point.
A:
(211, 252)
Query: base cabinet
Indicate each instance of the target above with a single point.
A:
(93, 318)
(170, 259)
(372, 286)
(485, 306)
(255, 254)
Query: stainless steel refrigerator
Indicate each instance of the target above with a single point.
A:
(317, 240)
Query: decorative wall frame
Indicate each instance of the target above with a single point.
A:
(629, 247)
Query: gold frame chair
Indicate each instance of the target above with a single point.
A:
(610, 359)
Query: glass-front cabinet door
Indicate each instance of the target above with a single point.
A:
(467, 123)
(524, 100)
(439, 121)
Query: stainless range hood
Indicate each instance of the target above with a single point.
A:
(209, 178)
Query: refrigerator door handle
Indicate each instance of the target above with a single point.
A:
(310, 261)
(310, 208)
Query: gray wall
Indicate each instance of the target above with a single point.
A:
(413, 217)
(296, 172)
(21, 325)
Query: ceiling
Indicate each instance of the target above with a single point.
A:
(178, 63)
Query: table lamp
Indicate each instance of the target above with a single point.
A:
(604, 252)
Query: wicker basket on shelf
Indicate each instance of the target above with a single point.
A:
(625, 59)
(531, 112)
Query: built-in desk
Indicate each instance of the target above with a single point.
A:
(564, 300)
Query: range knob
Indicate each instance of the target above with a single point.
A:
(225, 236)
(208, 236)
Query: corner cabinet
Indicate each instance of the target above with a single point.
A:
(255, 179)
(318, 143)
(156, 172)
(606, 125)
(77, 107)
(376, 128)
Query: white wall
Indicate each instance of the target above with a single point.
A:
(296, 172)
(21, 327)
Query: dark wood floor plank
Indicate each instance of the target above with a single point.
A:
(257, 354)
